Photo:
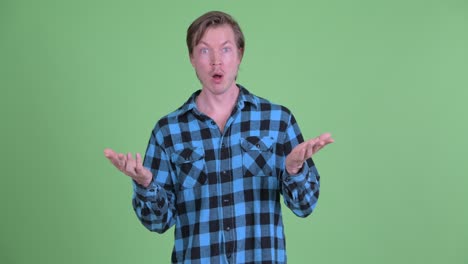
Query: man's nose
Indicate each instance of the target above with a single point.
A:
(216, 59)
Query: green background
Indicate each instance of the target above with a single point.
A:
(388, 79)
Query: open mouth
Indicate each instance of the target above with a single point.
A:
(217, 76)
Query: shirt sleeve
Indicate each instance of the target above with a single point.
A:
(155, 204)
(300, 191)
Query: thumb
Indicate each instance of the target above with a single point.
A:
(139, 169)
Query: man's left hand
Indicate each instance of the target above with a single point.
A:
(295, 160)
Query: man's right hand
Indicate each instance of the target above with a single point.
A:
(130, 167)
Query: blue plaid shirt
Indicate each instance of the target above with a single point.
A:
(222, 190)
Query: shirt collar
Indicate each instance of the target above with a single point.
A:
(244, 97)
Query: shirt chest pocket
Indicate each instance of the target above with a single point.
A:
(190, 167)
(257, 156)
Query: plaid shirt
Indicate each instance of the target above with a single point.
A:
(222, 190)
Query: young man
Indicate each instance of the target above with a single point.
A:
(215, 167)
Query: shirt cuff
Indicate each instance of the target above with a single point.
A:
(297, 179)
(154, 194)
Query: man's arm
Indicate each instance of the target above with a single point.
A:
(300, 179)
(153, 199)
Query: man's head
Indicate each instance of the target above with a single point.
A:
(209, 20)
(216, 46)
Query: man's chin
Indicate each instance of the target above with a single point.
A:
(219, 89)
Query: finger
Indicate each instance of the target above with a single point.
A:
(325, 140)
(326, 137)
(314, 144)
(122, 161)
(317, 147)
(294, 157)
(131, 165)
(109, 153)
(111, 156)
(309, 151)
(114, 158)
(299, 162)
(121, 157)
(139, 164)
(313, 141)
(301, 154)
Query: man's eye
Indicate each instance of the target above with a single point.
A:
(204, 51)
(226, 49)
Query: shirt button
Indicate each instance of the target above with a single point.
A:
(213, 122)
(223, 145)
(228, 228)
(257, 145)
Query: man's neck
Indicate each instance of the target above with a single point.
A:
(210, 103)
(218, 106)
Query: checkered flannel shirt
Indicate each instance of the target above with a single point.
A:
(222, 190)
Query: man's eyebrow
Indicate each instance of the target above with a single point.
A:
(206, 44)
(203, 42)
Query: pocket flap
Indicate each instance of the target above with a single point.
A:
(257, 143)
(188, 155)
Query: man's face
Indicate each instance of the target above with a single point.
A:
(216, 60)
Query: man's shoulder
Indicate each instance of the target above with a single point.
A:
(175, 116)
(264, 104)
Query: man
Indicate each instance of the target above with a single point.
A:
(215, 167)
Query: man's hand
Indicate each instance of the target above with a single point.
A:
(130, 167)
(295, 160)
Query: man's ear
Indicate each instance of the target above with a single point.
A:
(241, 54)
(191, 60)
